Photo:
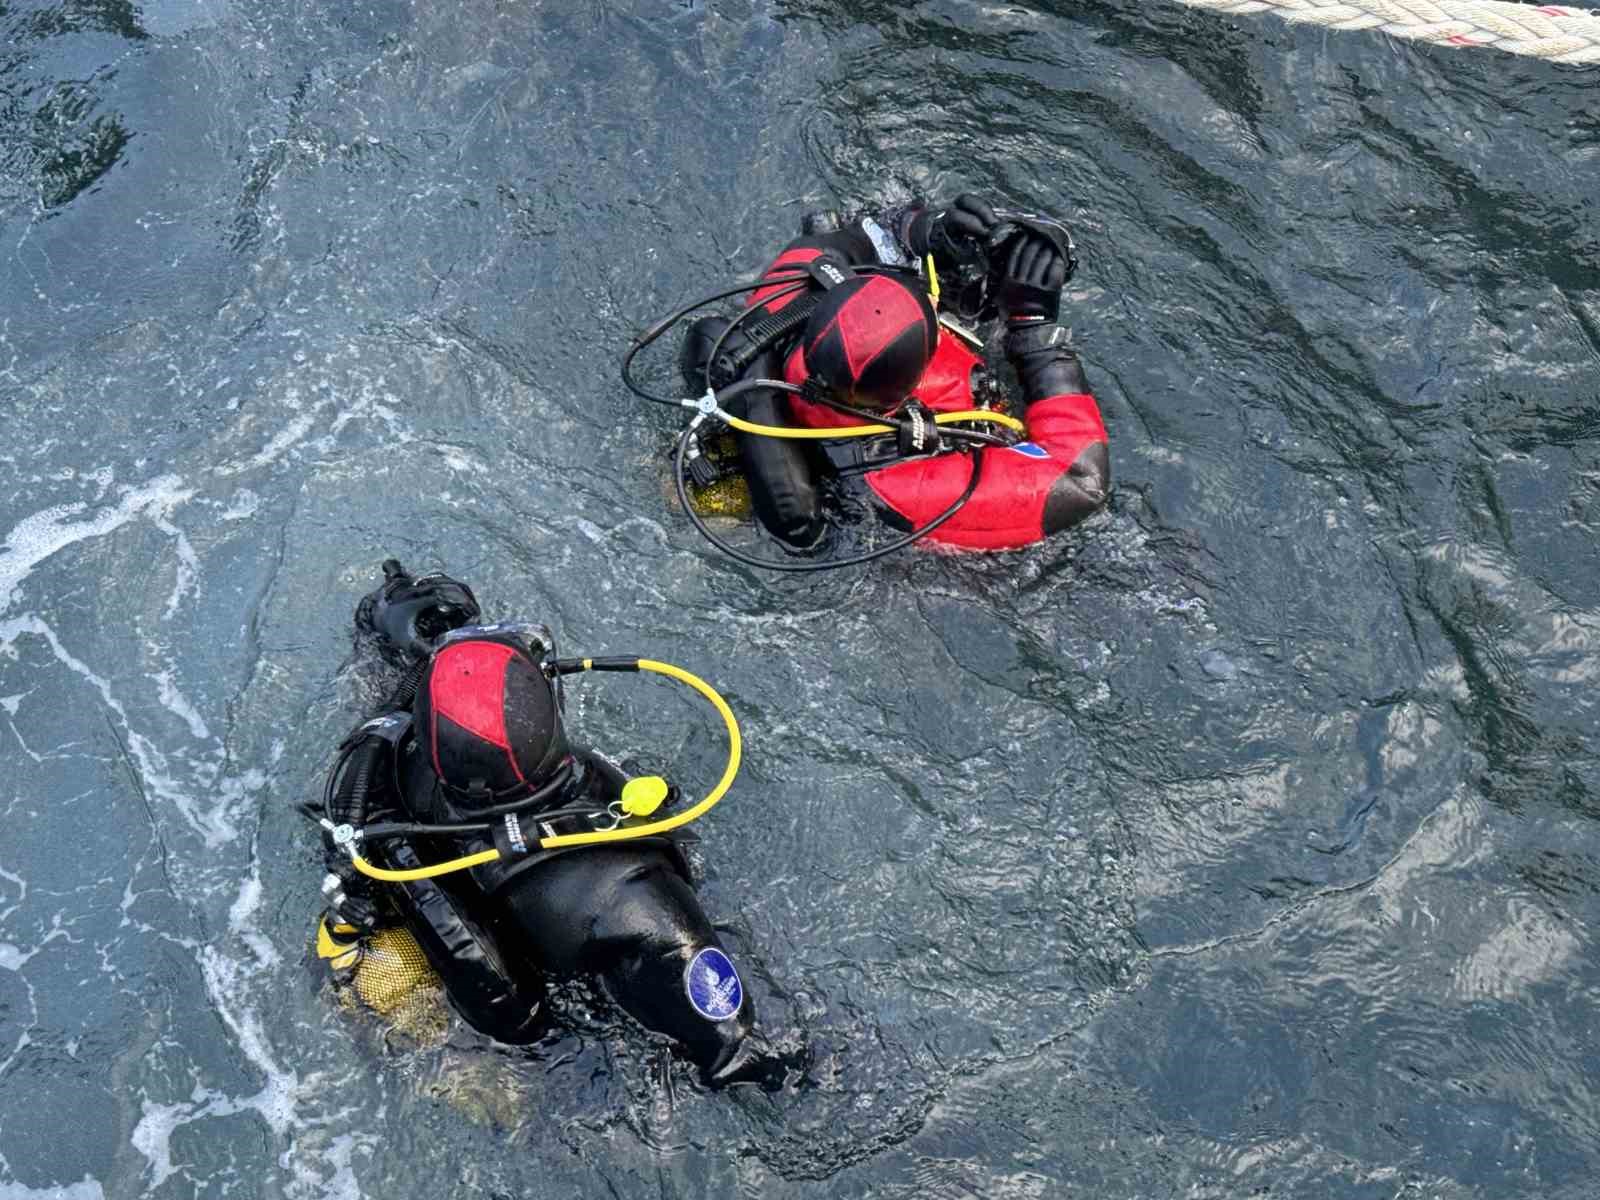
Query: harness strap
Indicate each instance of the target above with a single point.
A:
(465, 956)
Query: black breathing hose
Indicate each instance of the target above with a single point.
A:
(348, 804)
(666, 323)
(762, 333)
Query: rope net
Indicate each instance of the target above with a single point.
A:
(1550, 31)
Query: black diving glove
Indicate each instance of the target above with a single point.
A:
(1031, 272)
(409, 614)
(956, 236)
(349, 896)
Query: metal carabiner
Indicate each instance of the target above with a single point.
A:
(615, 811)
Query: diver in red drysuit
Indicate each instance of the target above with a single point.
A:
(876, 342)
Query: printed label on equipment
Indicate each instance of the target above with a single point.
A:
(1029, 450)
(514, 834)
(713, 985)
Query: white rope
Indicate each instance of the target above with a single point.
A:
(1551, 31)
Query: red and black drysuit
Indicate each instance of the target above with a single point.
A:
(1052, 480)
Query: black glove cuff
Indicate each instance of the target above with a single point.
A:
(921, 232)
(912, 228)
(1045, 361)
(1039, 337)
(1028, 302)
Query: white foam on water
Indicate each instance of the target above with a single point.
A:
(152, 1137)
(385, 409)
(275, 1102)
(230, 984)
(130, 897)
(188, 573)
(174, 701)
(590, 530)
(281, 443)
(244, 503)
(101, 476)
(21, 741)
(233, 794)
(460, 462)
(22, 892)
(342, 1185)
(320, 1166)
(215, 825)
(14, 960)
(86, 1189)
(49, 531)
(172, 18)
(240, 968)
(240, 920)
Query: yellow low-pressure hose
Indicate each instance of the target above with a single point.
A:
(599, 836)
(968, 416)
(735, 750)
(444, 868)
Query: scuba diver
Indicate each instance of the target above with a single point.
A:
(871, 321)
(542, 857)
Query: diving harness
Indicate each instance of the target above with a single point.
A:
(521, 827)
(917, 433)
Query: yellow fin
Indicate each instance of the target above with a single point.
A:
(340, 955)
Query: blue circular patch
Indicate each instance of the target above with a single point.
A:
(1030, 450)
(713, 985)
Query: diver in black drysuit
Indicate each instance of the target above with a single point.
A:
(474, 733)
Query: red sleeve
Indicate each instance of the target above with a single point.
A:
(790, 263)
(1016, 502)
(850, 244)
(1064, 425)
(1005, 512)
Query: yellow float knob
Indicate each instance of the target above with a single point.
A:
(642, 796)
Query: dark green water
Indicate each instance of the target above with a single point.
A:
(1242, 842)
